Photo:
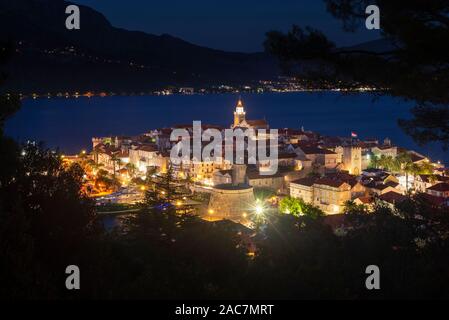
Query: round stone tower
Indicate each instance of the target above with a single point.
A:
(229, 202)
(232, 201)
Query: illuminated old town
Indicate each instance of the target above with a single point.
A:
(234, 159)
(323, 171)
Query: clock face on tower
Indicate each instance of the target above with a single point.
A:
(240, 109)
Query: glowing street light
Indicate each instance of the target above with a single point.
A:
(259, 217)
(259, 210)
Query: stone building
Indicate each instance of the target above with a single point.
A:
(352, 160)
(233, 201)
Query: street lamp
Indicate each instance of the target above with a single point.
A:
(259, 215)
(259, 210)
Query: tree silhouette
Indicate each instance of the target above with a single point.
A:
(131, 169)
(46, 220)
(414, 64)
(116, 162)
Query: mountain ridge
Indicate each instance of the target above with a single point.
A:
(38, 27)
(102, 57)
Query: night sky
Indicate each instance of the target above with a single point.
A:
(233, 25)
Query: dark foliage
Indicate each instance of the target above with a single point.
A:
(412, 61)
(47, 223)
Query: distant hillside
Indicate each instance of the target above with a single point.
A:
(380, 45)
(102, 57)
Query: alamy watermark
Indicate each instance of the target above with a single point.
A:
(373, 280)
(73, 21)
(72, 282)
(233, 146)
(372, 22)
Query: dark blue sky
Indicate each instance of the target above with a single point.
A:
(233, 25)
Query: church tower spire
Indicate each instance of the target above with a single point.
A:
(239, 114)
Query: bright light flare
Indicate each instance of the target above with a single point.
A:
(259, 210)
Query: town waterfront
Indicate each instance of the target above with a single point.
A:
(69, 124)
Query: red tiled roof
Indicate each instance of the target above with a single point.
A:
(441, 187)
(392, 197)
(391, 184)
(305, 181)
(416, 158)
(425, 177)
(315, 150)
(335, 183)
(379, 186)
(345, 177)
(365, 200)
(256, 175)
(257, 123)
(148, 148)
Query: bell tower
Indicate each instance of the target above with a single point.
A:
(352, 159)
(239, 114)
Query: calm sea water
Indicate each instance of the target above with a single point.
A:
(71, 123)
